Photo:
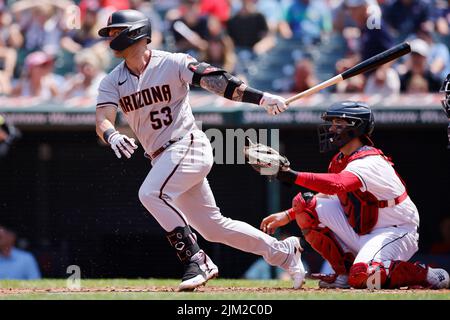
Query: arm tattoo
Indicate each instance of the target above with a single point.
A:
(217, 84)
(239, 93)
(214, 83)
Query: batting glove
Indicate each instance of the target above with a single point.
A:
(273, 104)
(121, 144)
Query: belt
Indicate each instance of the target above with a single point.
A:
(392, 202)
(162, 148)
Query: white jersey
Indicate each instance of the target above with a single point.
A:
(156, 103)
(379, 178)
(157, 108)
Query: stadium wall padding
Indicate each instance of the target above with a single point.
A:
(71, 201)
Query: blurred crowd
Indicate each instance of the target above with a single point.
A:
(51, 50)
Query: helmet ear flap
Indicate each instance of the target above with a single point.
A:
(130, 36)
(136, 24)
(138, 29)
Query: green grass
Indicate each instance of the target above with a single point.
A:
(221, 289)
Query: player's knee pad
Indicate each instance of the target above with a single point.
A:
(388, 274)
(184, 241)
(305, 211)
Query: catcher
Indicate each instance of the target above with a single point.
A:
(362, 220)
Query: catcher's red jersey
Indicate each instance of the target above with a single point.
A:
(382, 200)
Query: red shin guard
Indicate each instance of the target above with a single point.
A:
(390, 275)
(321, 239)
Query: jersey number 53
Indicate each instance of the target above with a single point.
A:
(161, 117)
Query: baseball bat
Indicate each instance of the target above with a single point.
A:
(364, 66)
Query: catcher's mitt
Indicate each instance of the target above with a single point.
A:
(264, 159)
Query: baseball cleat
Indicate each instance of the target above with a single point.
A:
(198, 271)
(295, 268)
(438, 278)
(193, 277)
(332, 281)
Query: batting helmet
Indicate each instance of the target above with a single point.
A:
(136, 26)
(360, 123)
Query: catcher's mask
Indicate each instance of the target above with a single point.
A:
(136, 26)
(359, 122)
(445, 88)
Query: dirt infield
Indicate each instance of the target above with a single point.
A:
(217, 289)
(207, 289)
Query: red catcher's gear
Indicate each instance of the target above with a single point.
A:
(299, 204)
(321, 239)
(395, 275)
(360, 207)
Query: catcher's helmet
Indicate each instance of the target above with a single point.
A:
(446, 89)
(360, 121)
(136, 24)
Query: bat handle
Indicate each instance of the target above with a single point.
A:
(316, 88)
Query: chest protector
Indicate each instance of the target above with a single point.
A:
(360, 207)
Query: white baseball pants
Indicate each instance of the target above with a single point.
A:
(382, 244)
(177, 193)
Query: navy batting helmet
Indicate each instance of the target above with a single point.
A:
(360, 123)
(136, 24)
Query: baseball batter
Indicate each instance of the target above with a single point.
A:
(362, 221)
(151, 88)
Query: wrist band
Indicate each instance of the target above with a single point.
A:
(108, 133)
(288, 176)
(252, 95)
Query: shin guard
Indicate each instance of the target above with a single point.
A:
(321, 239)
(388, 275)
(324, 242)
(185, 243)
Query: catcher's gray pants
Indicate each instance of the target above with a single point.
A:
(177, 193)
